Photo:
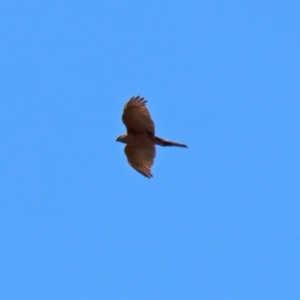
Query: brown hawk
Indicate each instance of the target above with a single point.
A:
(140, 137)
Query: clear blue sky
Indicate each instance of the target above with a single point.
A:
(219, 220)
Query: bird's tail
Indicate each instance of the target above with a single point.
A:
(163, 142)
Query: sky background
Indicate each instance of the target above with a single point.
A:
(219, 220)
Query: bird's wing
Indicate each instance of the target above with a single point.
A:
(136, 116)
(141, 157)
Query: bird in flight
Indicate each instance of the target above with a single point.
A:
(140, 138)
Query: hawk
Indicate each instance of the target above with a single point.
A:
(140, 138)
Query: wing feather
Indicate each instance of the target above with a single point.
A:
(141, 158)
(136, 116)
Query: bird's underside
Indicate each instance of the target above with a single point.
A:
(140, 138)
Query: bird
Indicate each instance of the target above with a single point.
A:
(140, 138)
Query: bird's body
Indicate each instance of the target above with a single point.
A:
(134, 138)
(140, 138)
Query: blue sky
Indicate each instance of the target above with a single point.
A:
(219, 220)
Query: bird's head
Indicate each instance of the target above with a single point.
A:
(122, 138)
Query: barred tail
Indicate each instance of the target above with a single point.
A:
(163, 142)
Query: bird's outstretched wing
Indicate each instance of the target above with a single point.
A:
(136, 116)
(141, 157)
